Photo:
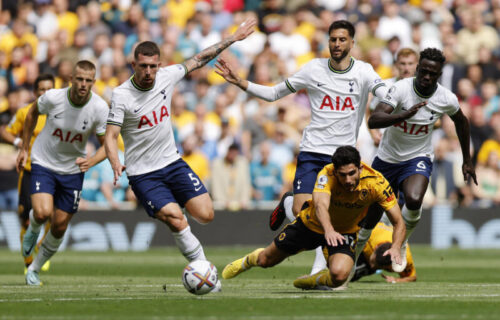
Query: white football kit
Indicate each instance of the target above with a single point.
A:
(67, 130)
(145, 120)
(338, 101)
(412, 137)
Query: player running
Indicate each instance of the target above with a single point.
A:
(344, 190)
(338, 90)
(405, 155)
(11, 134)
(58, 159)
(140, 110)
(370, 261)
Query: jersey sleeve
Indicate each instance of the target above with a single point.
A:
(393, 95)
(46, 102)
(299, 80)
(373, 82)
(453, 105)
(175, 72)
(100, 128)
(15, 126)
(324, 181)
(116, 111)
(384, 195)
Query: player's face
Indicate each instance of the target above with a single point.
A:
(82, 81)
(145, 68)
(428, 73)
(43, 86)
(406, 66)
(348, 176)
(340, 44)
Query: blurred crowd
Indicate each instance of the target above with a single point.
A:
(244, 149)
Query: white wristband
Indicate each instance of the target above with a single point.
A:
(17, 141)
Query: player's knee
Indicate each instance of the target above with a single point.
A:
(338, 275)
(414, 201)
(205, 215)
(173, 218)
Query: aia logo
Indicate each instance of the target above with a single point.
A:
(68, 136)
(338, 105)
(154, 118)
(414, 129)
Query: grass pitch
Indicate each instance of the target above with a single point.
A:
(452, 284)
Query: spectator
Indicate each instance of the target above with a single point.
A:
(265, 175)
(488, 175)
(195, 159)
(231, 188)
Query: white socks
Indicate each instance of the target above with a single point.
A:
(288, 204)
(363, 236)
(48, 248)
(189, 245)
(34, 225)
(319, 261)
(411, 218)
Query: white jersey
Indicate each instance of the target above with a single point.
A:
(375, 100)
(145, 120)
(412, 137)
(68, 127)
(338, 102)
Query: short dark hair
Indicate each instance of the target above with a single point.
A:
(346, 155)
(343, 24)
(43, 77)
(146, 48)
(432, 54)
(380, 259)
(85, 65)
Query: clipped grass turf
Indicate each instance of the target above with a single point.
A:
(452, 284)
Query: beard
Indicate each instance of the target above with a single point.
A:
(342, 56)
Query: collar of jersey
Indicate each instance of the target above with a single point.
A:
(137, 86)
(340, 71)
(419, 94)
(78, 105)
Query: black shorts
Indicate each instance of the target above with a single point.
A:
(24, 189)
(296, 237)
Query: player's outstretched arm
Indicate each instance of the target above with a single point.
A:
(225, 71)
(321, 203)
(463, 133)
(382, 117)
(29, 126)
(111, 148)
(398, 234)
(202, 58)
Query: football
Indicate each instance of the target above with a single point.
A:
(200, 277)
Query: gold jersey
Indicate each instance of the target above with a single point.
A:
(16, 126)
(348, 208)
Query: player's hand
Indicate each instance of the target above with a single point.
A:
(245, 29)
(395, 255)
(414, 109)
(225, 71)
(21, 159)
(333, 238)
(83, 163)
(389, 279)
(117, 170)
(469, 171)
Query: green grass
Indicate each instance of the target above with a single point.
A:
(452, 284)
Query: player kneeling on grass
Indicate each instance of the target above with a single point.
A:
(371, 260)
(342, 194)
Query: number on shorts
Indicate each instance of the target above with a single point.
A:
(195, 180)
(421, 165)
(77, 194)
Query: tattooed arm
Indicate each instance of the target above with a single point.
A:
(202, 58)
